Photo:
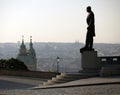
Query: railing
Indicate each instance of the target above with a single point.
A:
(110, 60)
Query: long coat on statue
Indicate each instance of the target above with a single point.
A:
(91, 27)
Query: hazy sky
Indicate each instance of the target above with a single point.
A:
(58, 20)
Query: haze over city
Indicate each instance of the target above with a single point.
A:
(58, 20)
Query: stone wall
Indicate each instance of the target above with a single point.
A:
(33, 74)
(104, 65)
(110, 65)
(110, 70)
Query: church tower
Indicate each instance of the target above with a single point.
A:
(22, 50)
(27, 56)
(32, 54)
(32, 51)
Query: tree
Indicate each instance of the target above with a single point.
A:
(3, 63)
(12, 64)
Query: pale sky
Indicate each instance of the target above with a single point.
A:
(58, 20)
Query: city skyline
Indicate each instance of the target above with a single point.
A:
(58, 20)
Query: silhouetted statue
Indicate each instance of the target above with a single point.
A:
(90, 30)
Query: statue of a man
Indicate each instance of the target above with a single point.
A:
(90, 30)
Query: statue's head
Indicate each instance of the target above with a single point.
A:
(88, 9)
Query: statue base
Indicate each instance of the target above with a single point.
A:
(89, 61)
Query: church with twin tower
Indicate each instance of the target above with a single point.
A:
(27, 56)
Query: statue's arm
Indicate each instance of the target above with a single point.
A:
(89, 24)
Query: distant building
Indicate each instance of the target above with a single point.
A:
(27, 56)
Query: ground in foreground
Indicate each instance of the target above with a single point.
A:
(110, 89)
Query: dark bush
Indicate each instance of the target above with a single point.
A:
(12, 64)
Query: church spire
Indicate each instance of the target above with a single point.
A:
(31, 41)
(30, 38)
(31, 50)
(22, 39)
(22, 50)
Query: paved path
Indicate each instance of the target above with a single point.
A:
(21, 85)
(11, 82)
(113, 89)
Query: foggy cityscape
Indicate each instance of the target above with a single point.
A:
(46, 53)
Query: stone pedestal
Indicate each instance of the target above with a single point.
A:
(89, 61)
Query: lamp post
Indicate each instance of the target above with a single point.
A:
(58, 60)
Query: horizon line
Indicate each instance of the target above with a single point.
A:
(58, 42)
